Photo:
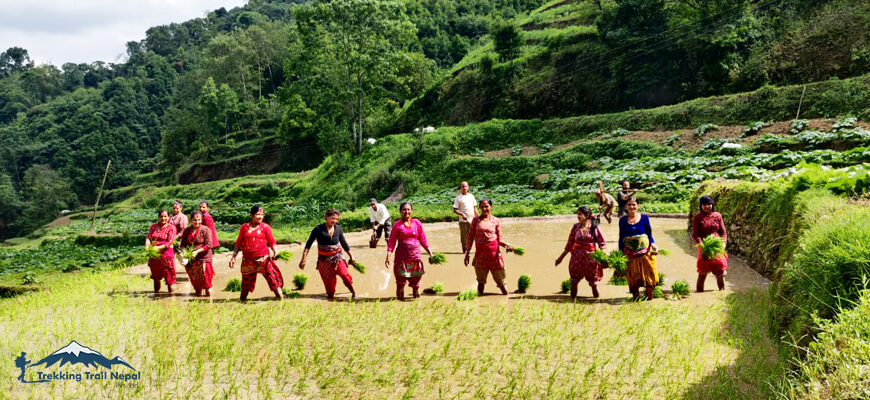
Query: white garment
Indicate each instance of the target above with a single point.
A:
(380, 215)
(465, 204)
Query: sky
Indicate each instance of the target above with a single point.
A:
(83, 31)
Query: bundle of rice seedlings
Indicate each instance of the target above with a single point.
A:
(234, 285)
(290, 294)
(152, 252)
(436, 288)
(187, 253)
(469, 294)
(680, 287)
(285, 255)
(712, 247)
(299, 281)
(664, 252)
(618, 261)
(439, 258)
(566, 286)
(658, 293)
(358, 266)
(523, 283)
(176, 243)
(618, 281)
(661, 280)
(600, 257)
(519, 251)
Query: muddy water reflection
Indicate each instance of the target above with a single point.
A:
(543, 239)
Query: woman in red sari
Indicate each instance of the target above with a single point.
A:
(208, 221)
(257, 245)
(705, 223)
(160, 236)
(581, 243)
(485, 233)
(406, 238)
(330, 262)
(199, 268)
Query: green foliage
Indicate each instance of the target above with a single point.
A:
(29, 278)
(437, 287)
(66, 255)
(753, 128)
(844, 123)
(506, 39)
(600, 257)
(516, 150)
(290, 294)
(618, 261)
(671, 140)
(187, 253)
(524, 283)
(466, 295)
(233, 285)
(358, 266)
(704, 128)
(680, 288)
(519, 251)
(299, 281)
(546, 147)
(712, 247)
(285, 255)
(439, 258)
(798, 126)
(565, 286)
(660, 279)
(664, 252)
(478, 153)
(618, 281)
(151, 253)
(658, 293)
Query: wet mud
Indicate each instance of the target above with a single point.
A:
(543, 239)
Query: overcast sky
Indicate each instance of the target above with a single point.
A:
(84, 31)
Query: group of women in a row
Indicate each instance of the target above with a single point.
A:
(257, 244)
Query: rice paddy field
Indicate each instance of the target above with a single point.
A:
(532, 346)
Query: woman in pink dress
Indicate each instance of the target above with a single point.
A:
(584, 236)
(705, 223)
(199, 269)
(406, 238)
(485, 234)
(257, 245)
(160, 236)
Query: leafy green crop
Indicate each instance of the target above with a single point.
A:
(466, 295)
(519, 251)
(711, 247)
(285, 255)
(600, 257)
(439, 258)
(524, 283)
(618, 261)
(233, 285)
(680, 287)
(299, 281)
(151, 253)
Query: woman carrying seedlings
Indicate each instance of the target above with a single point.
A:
(637, 243)
(705, 223)
(406, 239)
(330, 262)
(160, 237)
(257, 245)
(585, 234)
(199, 268)
(208, 222)
(485, 233)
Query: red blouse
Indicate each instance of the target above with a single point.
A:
(704, 224)
(255, 243)
(160, 237)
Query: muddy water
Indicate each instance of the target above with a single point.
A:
(543, 239)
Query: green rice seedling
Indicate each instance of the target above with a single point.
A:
(661, 280)
(151, 252)
(519, 251)
(566, 286)
(29, 278)
(600, 257)
(285, 255)
(524, 283)
(439, 258)
(664, 252)
(290, 294)
(618, 281)
(618, 261)
(680, 287)
(299, 281)
(658, 293)
(438, 287)
(187, 253)
(358, 266)
(711, 247)
(234, 285)
(176, 242)
(469, 294)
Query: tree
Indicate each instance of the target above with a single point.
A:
(354, 45)
(47, 193)
(13, 60)
(297, 120)
(220, 104)
(506, 39)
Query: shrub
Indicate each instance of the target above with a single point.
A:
(524, 283)
(299, 281)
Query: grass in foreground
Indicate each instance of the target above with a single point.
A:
(523, 349)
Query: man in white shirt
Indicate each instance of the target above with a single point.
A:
(465, 206)
(380, 218)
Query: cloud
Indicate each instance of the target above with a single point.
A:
(84, 31)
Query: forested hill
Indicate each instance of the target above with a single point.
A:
(274, 84)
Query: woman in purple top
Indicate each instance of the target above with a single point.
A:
(636, 241)
(406, 239)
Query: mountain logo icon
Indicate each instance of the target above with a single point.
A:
(73, 353)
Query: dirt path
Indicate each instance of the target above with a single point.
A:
(543, 240)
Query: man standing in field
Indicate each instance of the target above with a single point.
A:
(380, 219)
(464, 205)
(622, 197)
(606, 204)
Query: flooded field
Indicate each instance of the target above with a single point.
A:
(543, 239)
